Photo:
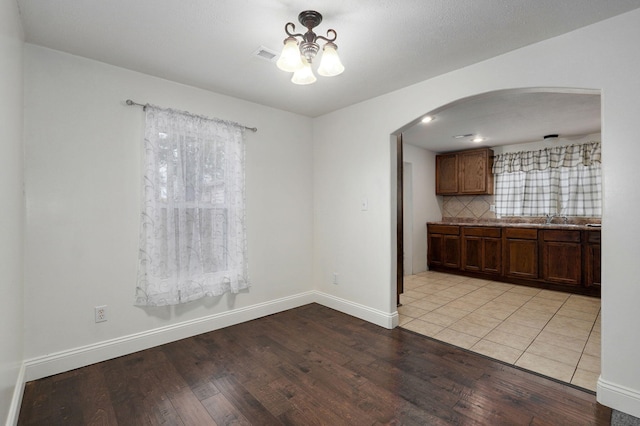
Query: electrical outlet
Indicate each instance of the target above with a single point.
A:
(335, 278)
(101, 313)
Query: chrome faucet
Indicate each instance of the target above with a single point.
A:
(550, 217)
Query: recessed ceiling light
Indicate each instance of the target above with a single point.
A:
(477, 139)
(427, 119)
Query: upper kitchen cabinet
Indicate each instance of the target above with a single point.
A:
(465, 173)
(447, 174)
(475, 172)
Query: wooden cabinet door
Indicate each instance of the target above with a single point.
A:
(443, 250)
(472, 253)
(492, 256)
(592, 259)
(475, 172)
(593, 265)
(446, 174)
(451, 251)
(443, 245)
(521, 253)
(482, 250)
(521, 259)
(435, 256)
(561, 257)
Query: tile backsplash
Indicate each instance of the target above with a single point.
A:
(468, 206)
(477, 208)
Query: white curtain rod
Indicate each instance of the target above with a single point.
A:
(130, 103)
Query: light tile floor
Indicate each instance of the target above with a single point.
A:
(552, 333)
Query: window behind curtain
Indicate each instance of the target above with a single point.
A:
(562, 180)
(193, 235)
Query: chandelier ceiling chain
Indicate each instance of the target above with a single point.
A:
(297, 56)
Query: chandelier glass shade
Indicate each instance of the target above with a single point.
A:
(304, 75)
(300, 49)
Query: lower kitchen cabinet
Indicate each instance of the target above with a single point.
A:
(443, 246)
(482, 249)
(561, 257)
(592, 260)
(521, 253)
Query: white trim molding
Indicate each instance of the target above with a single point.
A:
(618, 397)
(375, 316)
(58, 362)
(47, 365)
(16, 400)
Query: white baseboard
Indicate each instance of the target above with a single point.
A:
(47, 365)
(16, 400)
(59, 362)
(357, 310)
(618, 397)
(610, 394)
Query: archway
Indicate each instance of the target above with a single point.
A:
(572, 113)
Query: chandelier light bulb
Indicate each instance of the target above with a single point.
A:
(330, 64)
(290, 59)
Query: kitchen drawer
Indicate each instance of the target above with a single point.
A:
(522, 233)
(560, 235)
(482, 232)
(594, 236)
(444, 229)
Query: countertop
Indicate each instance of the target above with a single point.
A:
(500, 224)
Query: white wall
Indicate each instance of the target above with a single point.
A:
(83, 198)
(354, 155)
(426, 206)
(12, 211)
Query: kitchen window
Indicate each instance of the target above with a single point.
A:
(564, 180)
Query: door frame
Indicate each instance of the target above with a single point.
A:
(400, 221)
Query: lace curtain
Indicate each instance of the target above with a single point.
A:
(563, 180)
(192, 234)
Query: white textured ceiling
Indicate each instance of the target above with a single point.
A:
(384, 44)
(508, 117)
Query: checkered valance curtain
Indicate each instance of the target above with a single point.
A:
(560, 180)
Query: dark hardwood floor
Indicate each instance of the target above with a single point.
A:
(310, 365)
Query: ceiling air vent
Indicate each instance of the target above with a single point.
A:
(266, 54)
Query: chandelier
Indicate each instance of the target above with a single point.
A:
(297, 56)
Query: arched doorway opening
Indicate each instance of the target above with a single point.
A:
(507, 120)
